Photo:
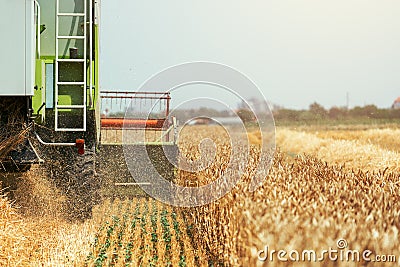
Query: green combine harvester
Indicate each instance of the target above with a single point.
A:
(53, 113)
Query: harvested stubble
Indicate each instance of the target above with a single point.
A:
(41, 242)
(11, 233)
(147, 253)
(176, 253)
(35, 233)
(161, 242)
(351, 153)
(386, 138)
(140, 232)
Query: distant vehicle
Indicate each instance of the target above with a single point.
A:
(215, 121)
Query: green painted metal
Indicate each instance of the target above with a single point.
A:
(96, 83)
(96, 65)
(68, 25)
(37, 99)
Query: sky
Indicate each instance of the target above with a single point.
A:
(296, 51)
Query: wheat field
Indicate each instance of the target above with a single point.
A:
(323, 186)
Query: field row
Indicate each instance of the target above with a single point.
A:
(143, 232)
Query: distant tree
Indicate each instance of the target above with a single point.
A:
(318, 111)
(394, 113)
(246, 115)
(357, 111)
(286, 114)
(187, 114)
(369, 111)
(382, 114)
(277, 107)
(337, 113)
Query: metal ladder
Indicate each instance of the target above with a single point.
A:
(83, 60)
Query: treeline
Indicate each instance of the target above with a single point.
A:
(317, 112)
(187, 114)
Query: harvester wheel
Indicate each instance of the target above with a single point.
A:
(84, 193)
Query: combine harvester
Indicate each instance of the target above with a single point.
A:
(51, 106)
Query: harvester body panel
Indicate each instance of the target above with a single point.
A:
(49, 67)
(18, 49)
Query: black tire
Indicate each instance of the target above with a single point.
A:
(84, 191)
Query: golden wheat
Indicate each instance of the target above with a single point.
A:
(306, 204)
(325, 190)
(352, 153)
(384, 138)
